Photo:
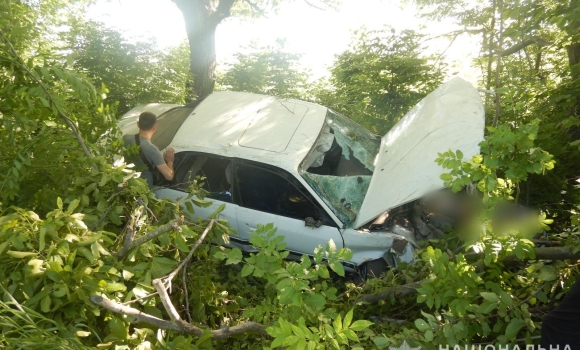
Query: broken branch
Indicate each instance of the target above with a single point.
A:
(190, 255)
(159, 283)
(177, 325)
(393, 292)
(544, 253)
(131, 242)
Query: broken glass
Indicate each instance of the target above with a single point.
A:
(341, 173)
(343, 194)
(354, 139)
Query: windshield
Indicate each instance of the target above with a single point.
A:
(340, 165)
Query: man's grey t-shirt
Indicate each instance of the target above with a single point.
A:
(150, 151)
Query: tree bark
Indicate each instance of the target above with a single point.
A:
(201, 20)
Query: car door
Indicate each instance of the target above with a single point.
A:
(267, 194)
(217, 173)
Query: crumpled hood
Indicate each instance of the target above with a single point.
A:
(451, 117)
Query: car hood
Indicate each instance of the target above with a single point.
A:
(449, 118)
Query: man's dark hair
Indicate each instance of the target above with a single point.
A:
(147, 120)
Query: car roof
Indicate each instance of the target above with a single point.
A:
(250, 126)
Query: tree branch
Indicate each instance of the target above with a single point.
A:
(256, 8)
(314, 6)
(190, 255)
(222, 11)
(547, 253)
(393, 292)
(177, 325)
(165, 300)
(517, 47)
(61, 114)
(131, 242)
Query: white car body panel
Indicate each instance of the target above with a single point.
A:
(451, 117)
(299, 238)
(230, 123)
(128, 124)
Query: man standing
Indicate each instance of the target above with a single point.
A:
(149, 154)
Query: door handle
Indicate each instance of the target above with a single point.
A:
(250, 226)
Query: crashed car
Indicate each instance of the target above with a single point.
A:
(313, 173)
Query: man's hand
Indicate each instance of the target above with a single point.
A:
(169, 155)
(167, 168)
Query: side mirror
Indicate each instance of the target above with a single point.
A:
(311, 222)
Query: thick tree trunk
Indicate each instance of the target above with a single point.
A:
(574, 58)
(201, 20)
(202, 60)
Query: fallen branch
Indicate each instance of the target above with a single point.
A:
(393, 292)
(177, 325)
(160, 283)
(190, 255)
(544, 253)
(132, 242)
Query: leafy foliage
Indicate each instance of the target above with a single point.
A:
(134, 73)
(379, 78)
(266, 70)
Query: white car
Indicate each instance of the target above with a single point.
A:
(313, 173)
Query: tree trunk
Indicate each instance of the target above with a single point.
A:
(201, 20)
(574, 59)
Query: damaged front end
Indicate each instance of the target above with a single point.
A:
(374, 185)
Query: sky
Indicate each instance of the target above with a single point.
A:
(317, 35)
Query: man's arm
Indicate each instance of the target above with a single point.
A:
(167, 169)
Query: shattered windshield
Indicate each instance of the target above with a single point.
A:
(340, 165)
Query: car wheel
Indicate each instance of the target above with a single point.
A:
(370, 269)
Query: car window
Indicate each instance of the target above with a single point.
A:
(269, 191)
(168, 124)
(216, 170)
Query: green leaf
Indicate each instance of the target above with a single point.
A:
(44, 101)
(548, 273)
(360, 325)
(421, 325)
(429, 335)
(315, 300)
(330, 248)
(350, 334)
(20, 255)
(247, 270)
(118, 329)
(347, 319)
(115, 287)
(318, 254)
(41, 242)
(489, 296)
(513, 328)
(337, 324)
(59, 203)
(381, 342)
(337, 267)
(73, 205)
(45, 304)
(189, 207)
